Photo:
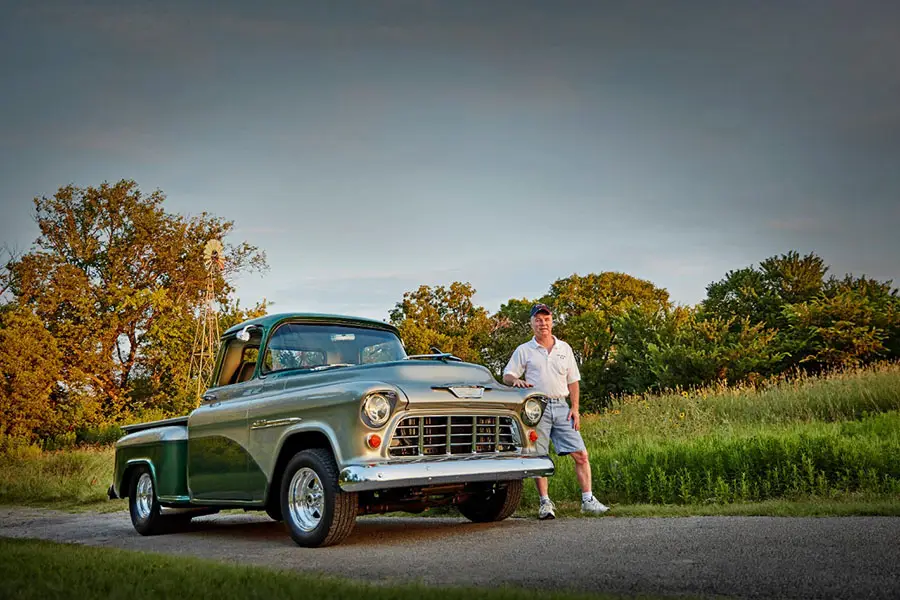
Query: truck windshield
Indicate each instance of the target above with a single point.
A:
(319, 347)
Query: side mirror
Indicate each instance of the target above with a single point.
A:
(244, 334)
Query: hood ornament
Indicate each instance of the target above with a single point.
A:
(466, 391)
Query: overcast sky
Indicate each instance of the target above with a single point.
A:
(369, 147)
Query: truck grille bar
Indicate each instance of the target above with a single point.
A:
(448, 435)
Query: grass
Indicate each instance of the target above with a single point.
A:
(806, 437)
(821, 445)
(45, 570)
(63, 479)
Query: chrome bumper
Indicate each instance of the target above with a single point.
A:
(433, 471)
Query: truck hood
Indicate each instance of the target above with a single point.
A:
(427, 382)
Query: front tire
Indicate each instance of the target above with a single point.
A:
(315, 509)
(498, 503)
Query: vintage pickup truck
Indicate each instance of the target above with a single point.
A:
(316, 419)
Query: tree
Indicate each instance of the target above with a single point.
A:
(30, 364)
(818, 322)
(854, 320)
(444, 318)
(760, 294)
(676, 348)
(511, 326)
(113, 277)
(586, 309)
(752, 296)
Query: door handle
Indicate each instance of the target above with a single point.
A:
(208, 397)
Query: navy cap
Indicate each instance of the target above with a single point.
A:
(537, 308)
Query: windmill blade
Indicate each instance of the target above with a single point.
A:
(213, 257)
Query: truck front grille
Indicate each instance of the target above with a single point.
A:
(454, 434)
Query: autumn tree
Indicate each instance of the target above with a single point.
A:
(30, 366)
(510, 326)
(853, 321)
(116, 281)
(586, 309)
(444, 318)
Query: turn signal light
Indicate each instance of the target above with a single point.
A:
(532, 436)
(373, 440)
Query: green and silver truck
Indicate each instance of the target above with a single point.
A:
(316, 419)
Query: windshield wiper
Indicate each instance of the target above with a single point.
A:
(441, 356)
(331, 366)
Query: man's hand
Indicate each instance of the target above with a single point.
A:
(510, 379)
(575, 418)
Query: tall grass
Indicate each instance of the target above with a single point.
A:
(61, 478)
(786, 438)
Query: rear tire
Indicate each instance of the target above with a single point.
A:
(143, 503)
(316, 511)
(273, 509)
(496, 504)
(146, 513)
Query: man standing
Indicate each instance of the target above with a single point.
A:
(549, 365)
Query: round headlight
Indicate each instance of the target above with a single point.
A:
(377, 409)
(532, 412)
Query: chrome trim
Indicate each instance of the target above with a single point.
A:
(374, 476)
(154, 424)
(143, 497)
(306, 500)
(264, 423)
(467, 391)
(433, 435)
(172, 433)
(196, 501)
(174, 498)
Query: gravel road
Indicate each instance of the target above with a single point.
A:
(746, 557)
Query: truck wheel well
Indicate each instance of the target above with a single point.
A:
(125, 490)
(294, 444)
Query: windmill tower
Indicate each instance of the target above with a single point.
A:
(206, 334)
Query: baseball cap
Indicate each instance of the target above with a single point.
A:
(540, 308)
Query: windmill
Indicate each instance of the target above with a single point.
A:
(206, 334)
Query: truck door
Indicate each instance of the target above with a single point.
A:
(217, 431)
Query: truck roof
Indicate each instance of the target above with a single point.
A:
(268, 321)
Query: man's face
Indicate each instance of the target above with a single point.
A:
(541, 324)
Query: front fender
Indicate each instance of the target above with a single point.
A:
(330, 408)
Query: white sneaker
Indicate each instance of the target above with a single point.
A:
(547, 510)
(593, 506)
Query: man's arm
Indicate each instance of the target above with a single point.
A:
(573, 395)
(510, 379)
(514, 370)
(574, 416)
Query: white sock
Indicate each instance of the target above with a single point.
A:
(585, 496)
(545, 499)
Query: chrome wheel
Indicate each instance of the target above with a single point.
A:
(306, 499)
(143, 497)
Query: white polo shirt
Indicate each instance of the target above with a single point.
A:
(549, 372)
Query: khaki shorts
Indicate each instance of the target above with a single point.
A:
(554, 427)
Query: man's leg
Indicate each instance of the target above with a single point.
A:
(582, 470)
(589, 504)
